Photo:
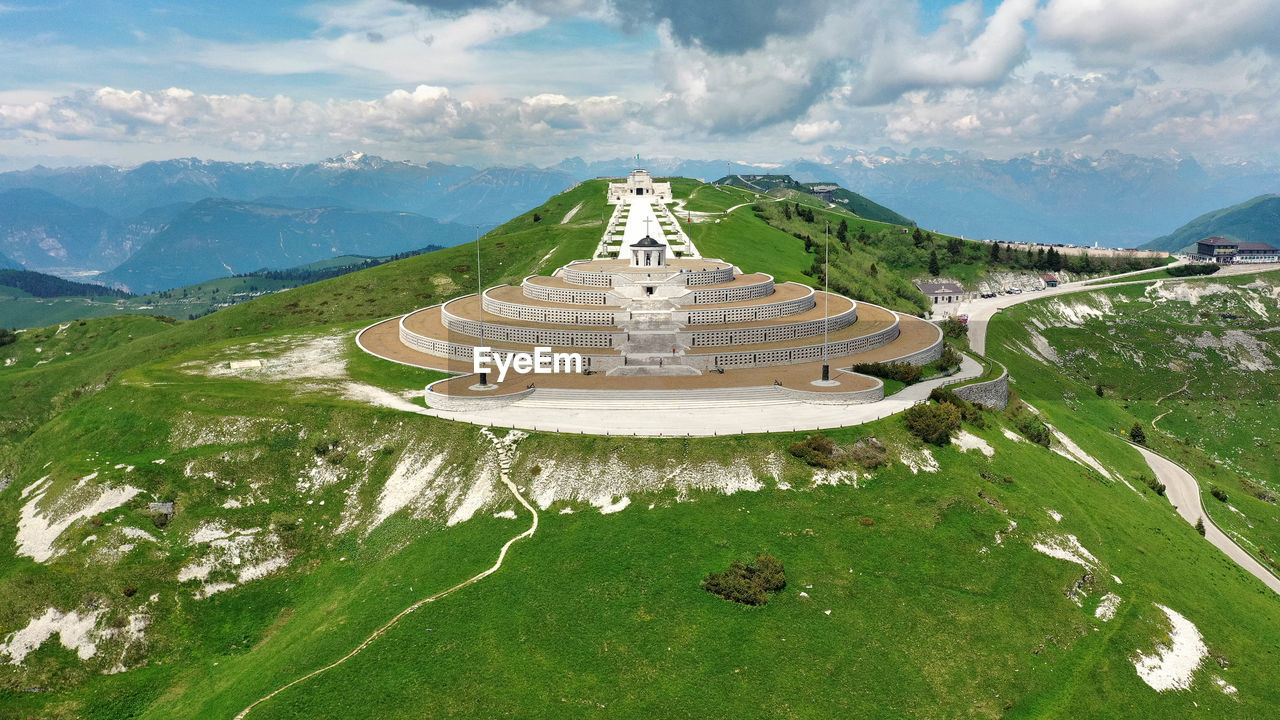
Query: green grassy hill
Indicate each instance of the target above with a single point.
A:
(1192, 362)
(829, 193)
(1256, 220)
(310, 511)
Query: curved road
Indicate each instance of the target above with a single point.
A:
(1182, 489)
(1184, 493)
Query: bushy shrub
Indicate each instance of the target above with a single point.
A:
(1034, 429)
(948, 359)
(933, 423)
(1200, 526)
(1152, 483)
(7, 337)
(953, 328)
(1193, 270)
(900, 371)
(748, 584)
(869, 453)
(969, 412)
(1218, 493)
(816, 450)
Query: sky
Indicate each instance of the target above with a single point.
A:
(512, 82)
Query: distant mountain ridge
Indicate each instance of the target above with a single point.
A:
(1255, 220)
(830, 192)
(220, 237)
(42, 232)
(354, 180)
(1114, 199)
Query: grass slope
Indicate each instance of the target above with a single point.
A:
(600, 614)
(1198, 355)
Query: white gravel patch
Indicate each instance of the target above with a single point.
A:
(586, 480)
(507, 514)
(830, 477)
(1066, 547)
(262, 569)
(42, 520)
(74, 631)
(608, 506)
(1107, 608)
(919, 461)
(966, 441)
(409, 483)
(1057, 516)
(1075, 453)
(376, 396)
(1173, 664)
(1224, 687)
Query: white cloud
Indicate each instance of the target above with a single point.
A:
(1180, 30)
(808, 132)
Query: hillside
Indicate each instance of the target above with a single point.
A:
(1191, 361)
(47, 286)
(76, 301)
(311, 506)
(1256, 220)
(44, 233)
(216, 238)
(826, 191)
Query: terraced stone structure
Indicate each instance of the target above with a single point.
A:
(653, 315)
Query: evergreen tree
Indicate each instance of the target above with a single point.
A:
(917, 237)
(1137, 435)
(1200, 526)
(873, 270)
(934, 269)
(995, 253)
(786, 211)
(842, 232)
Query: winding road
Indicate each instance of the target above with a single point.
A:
(504, 465)
(1182, 489)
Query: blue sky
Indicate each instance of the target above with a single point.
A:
(481, 81)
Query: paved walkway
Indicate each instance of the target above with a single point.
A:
(728, 419)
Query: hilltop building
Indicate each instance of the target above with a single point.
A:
(1228, 252)
(942, 292)
(648, 314)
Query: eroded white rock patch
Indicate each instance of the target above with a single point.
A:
(1172, 664)
(1066, 547)
(1107, 608)
(43, 519)
(966, 441)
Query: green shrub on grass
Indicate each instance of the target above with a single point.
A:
(948, 359)
(1033, 429)
(1218, 493)
(900, 371)
(750, 583)
(933, 423)
(816, 450)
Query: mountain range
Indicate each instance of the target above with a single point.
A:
(353, 180)
(219, 237)
(1256, 220)
(1115, 199)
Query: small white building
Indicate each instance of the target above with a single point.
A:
(639, 184)
(647, 252)
(942, 293)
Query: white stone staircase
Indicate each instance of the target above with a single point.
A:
(666, 400)
(652, 345)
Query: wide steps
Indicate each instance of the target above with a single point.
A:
(652, 370)
(694, 399)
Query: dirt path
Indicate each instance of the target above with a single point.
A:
(569, 215)
(1164, 397)
(1184, 493)
(504, 463)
